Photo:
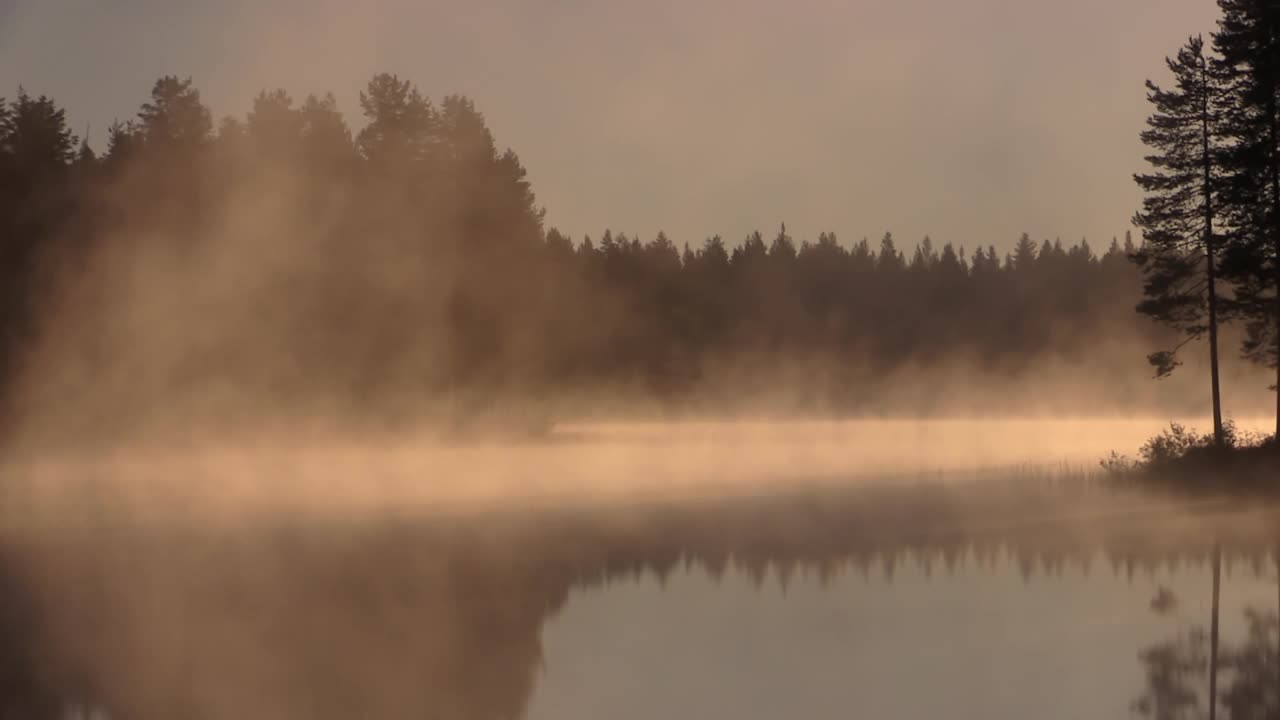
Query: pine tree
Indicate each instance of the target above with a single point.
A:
(274, 124)
(175, 116)
(123, 143)
(36, 151)
(713, 255)
(1180, 256)
(326, 139)
(1248, 43)
(401, 126)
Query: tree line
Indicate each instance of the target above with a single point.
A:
(287, 257)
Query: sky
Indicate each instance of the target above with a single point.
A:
(971, 122)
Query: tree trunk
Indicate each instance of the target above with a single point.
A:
(1275, 238)
(1219, 437)
(1213, 634)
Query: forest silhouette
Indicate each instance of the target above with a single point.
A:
(285, 262)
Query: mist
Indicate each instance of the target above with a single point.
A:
(343, 350)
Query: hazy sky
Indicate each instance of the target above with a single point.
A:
(969, 121)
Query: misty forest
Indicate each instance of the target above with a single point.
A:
(408, 260)
(284, 261)
(309, 411)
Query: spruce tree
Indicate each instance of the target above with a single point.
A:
(889, 260)
(1024, 254)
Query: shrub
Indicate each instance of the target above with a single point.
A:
(1181, 454)
(1171, 445)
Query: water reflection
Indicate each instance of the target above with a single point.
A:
(972, 643)
(954, 588)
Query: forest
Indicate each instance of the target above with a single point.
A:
(286, 256)
(293, 261)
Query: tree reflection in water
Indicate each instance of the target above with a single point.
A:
(442, 616)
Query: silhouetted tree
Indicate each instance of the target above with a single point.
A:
(36, 152)
(1024, 254)
(175, 119)
(890, 259)
(400, 123)
(274, 125)
(1180, 255)
(1248, 43)
(783, 248)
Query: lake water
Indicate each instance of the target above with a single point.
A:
(698, 571)
(969, 643)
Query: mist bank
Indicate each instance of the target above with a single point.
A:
(194, 420)
(300, 475)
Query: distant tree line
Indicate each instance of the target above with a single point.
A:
(778, 299)
(285, 256)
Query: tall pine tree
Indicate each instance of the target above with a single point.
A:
(1248, 41)
(1180, 256)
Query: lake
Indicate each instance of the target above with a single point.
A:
(968, 642)
(748, 570)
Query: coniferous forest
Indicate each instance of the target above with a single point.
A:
(396, 261)
(286, 257)
(287, 260)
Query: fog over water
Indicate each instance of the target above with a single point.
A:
(328, 477)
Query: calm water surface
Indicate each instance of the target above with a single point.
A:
(749, 570)
(972, 642)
